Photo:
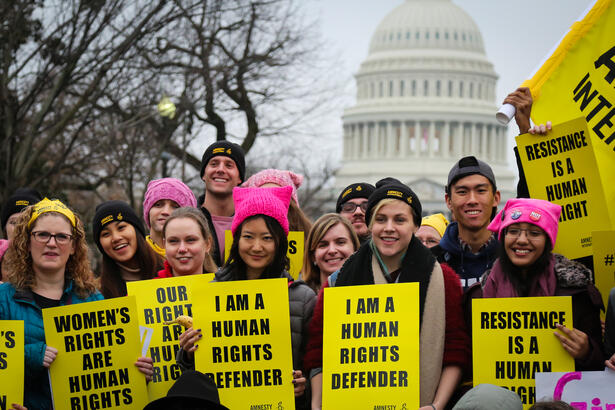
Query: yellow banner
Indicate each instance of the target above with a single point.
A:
(98, 345)
(513, 339)
(604, 264)
(11, 362)
(578, 79)
(561, 168)
(296, 243)
(246, 345)
(159, 301)
(371, 347)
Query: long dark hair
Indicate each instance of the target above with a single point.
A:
(522, 278)
(280, 263)
(112, 285)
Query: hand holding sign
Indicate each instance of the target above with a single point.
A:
(299, 382)
(145, 366)
(50, 356)
(541, 129)
(575, 342)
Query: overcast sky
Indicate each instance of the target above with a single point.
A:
(517, 35)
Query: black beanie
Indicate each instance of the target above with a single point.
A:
(114, 211)
(227, 149)
(21, 198)
(352, 191)
(395, 189)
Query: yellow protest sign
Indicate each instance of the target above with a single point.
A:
(159, 301)
(561, 168)
(512, 340)
(371, 347)
(604, 263)
(577, 79)
(246, 346)
(11, 362)
(296, 246)
(98, 344)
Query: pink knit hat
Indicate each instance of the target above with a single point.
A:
(167, 188)
(276, 176)
(537, 212)
(4, 245)
(271, 201)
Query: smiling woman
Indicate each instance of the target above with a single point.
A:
(527, 230)
(187, 243)
(49, 266)
(395, 255)
(120, 237)
(330, 242)
(260, 229)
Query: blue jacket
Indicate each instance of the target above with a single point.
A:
(468, 266)
(20, 305)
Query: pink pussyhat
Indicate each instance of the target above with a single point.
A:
(537, 212)
(276, 176)
(167, 188)
(4, 245)
(271, 201)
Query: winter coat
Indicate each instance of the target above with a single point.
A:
(467, 265)
(20, 305)
(444, 339)
(573, 279)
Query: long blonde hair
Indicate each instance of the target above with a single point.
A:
(310, 272)
(19, 259)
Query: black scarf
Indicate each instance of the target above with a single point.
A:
(416, 266)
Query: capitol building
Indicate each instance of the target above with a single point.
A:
(425, 98)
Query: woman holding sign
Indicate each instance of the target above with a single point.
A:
(395, 255)
(526, 266)
(49, 265)
(260, 229)
(120, 237)
(187, 243)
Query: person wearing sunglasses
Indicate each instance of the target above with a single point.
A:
(352, 204)
(526, 266)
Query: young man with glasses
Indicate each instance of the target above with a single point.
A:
(352, 203)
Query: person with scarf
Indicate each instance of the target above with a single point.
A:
(395, 255)
(526, 266)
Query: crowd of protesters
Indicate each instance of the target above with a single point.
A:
(378, 235)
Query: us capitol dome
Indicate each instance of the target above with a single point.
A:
(425, 98)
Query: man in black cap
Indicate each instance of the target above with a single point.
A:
(472, 197)
(352, 204)
(223, 168)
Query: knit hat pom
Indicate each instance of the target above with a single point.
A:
(271, 201)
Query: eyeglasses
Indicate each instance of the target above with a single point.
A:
(531, 233)
(350, 207)
(45, 237)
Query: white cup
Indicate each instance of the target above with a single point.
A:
(505, 113)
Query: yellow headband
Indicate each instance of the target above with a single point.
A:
(436, 221)
(51, 206)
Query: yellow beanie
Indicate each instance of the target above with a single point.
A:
(436, 221)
